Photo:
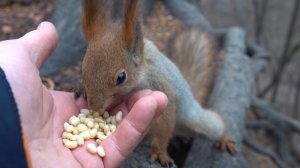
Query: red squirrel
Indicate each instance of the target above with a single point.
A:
(119, 61)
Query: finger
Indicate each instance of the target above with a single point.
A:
(162, 101)
(130, 131)
(40, 42)
(85, 158)
(80, 102)
(160, 96)
(136, 96)
(125, 107)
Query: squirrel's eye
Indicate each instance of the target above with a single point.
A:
(121, 78)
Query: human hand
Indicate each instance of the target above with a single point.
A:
(43, 112)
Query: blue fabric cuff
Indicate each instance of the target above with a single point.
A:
(12, 153)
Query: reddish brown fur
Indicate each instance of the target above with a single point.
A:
(94, 17)
(193, 51)
(113, 47)
(132, 24)
(107, 53)
(162, 133)
(129, 21)
(108, 41)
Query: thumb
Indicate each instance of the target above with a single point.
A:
(40, 42)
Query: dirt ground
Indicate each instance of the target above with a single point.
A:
(17, 19)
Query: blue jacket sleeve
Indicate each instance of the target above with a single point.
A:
(12, 152)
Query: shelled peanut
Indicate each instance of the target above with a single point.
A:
(89, 125)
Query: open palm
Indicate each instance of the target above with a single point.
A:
(43, 112)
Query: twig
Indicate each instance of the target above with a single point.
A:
(279, 137)
(259, 18)
(259, 124)
(260, 57)
(297, 98)
(266, 111)
(295, 149)
(284, 60)
(260, 150)
(294, 50)
(278, 125)
(256, 51)
(283, 146)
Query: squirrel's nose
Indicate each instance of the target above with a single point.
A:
(96, 106)
(93, 105)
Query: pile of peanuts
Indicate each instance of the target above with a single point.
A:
(89, 125)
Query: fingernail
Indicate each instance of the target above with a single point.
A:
(42, 25)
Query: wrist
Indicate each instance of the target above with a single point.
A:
(12, 153)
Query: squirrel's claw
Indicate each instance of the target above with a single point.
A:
(164, 160)
(227, 144)
(78, 92)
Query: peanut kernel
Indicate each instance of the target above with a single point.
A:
(119, 116)
(106, 115)
(74, 120)
(89, 124)
(93, 133)
(70, 144)
(86, 134)
(92, 148)
(85, 111)
(80, 140)
(82, 127)
(69, 128)
(96, 114)
(100, 151)
(74, 138)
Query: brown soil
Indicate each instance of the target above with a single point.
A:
(17, 19)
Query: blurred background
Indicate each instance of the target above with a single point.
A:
(273, 24)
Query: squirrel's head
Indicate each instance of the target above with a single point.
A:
(111, 67)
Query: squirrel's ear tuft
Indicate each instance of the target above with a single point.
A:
(95, 15)
(132, 30)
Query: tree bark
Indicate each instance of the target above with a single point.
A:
(231, 98)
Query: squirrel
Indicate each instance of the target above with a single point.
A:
(119, 60)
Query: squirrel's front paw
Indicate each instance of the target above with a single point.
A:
(79, 91)
(226, 143)
(163, 158)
